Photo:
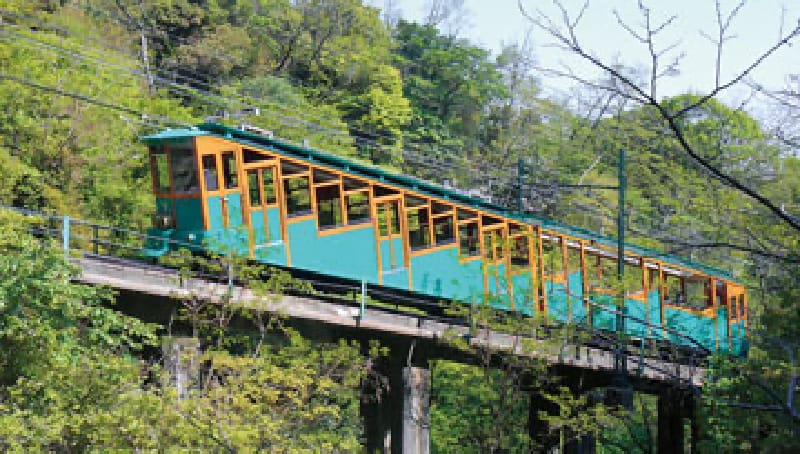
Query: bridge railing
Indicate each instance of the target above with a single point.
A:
(86, 237)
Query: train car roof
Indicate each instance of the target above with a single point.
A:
(313, 156)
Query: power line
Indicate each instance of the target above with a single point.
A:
(95, 101)
(369, 136)
(293, 121)
(427, 160)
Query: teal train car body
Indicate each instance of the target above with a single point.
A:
(231, 190)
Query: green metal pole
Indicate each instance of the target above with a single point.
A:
(621, 255)
(520, 172)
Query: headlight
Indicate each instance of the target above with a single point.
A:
(163, 221)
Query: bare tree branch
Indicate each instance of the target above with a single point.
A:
(784, 41)
(751, 250)
(566, 35)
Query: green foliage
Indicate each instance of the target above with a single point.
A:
(331, 72)
(281, 102)
(448, 82)
(73, 379)
(87, 159)
(474, 410)
(64, 353)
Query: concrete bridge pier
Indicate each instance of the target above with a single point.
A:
(416, 410)
(565, 441)
(395, 408)
(673, 406)
(538, 429)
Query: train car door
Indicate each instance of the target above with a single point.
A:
(221, 187)
(391, 244)
(261, 208)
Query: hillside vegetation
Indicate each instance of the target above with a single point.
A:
(77, 95)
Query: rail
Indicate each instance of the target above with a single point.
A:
(89, 238)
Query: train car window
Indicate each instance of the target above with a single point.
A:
(465, 215)
(592, 268)
(443, 230)
(673, 290)
(268, 180)
(488, 245)
(741, 305)
(351, 184)
(552, 256)
(298, 196)
(652, 279)
(161, 172)
(419, 236)
(288, 168)
(253, 156)
(493, 247)
(320, 176)
(469, 246)
(357, 204)
(520, 251)
(388, 217)
(440, 208)
(210, 175)
(253, 191)
(229, 171)
(329, 207)
(381, 191)
(732, 309)
(695, 293)
(501, 243)
(633, 278)
(412, 201)
(488, 220)
(574, 260)
(184, 171)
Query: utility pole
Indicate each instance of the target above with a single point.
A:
(145, 58)
(520, 174)
(139, 23)
(623, 393)
(620, 363)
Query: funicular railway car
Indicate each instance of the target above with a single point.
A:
(228, 189)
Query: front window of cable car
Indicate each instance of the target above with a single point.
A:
(160, 168)
(174, 170)
(184, 171)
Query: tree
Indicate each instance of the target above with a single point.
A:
(691, 138)
(65, 125)
(564, 32)
(65, 356)
(449, 83)
(76, 375)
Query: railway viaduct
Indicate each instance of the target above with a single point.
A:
(399, 422)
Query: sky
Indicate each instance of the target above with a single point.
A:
(492, 23)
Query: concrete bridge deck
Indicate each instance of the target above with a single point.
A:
(153, 280)
(400, 423)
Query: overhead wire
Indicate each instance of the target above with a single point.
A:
(430, 162)
(135, 73)
(438, 165)
(426, 160)
(91, 100)
(370, 136)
